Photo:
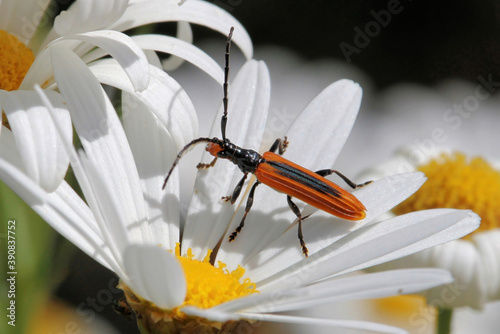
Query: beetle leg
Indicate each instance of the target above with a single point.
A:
(236, 191)
(326, 172)
(205, 166)
(247, 209)
(296, 210)
(279, 144)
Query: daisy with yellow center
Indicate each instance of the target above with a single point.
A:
(206, 286)
(92, 30)
(184, 276)
(456, 180)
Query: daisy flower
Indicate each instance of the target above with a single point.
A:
(453, 115)
(178, 276)
(92, 30)
(459, 181)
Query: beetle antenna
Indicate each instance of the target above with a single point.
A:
(184, 150)
(225, 85)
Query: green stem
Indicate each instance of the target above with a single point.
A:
(444, 320)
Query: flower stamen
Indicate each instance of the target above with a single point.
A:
(208, 285)
(15, 61)
(457, 182)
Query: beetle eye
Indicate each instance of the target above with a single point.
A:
(222, 154)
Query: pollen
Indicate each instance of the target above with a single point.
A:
(454, 181)
(209, 285)
(15, 60)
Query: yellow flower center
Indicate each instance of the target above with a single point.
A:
(406, 311)
(457, 182)
(453, 182)
(400, 306)
(208, 286)
(15, 60)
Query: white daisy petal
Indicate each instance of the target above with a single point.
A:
(383, 195)
(474, 265)
(215, 315)
(123, 49)
(161, 281)
(322, 229)
(210, 314)
(334, 111)
(488, 245)
(469, 288)
(404, 160)
(164, 97)
(89, 15)
(378, 197)
(193, 11)
(347, 324)
(40, 72)
(380, 242)
(27, 12)
(184, 33)
(153, 58)
(44, 158)
(248, 104)
(7, 10)
(9, 150)
(63, 209)
(97, 191)
(173, 46)
(146, 135)
(473, 261)
(367, 286)
(120, 46)
(102, 136)
(335, 108)
(118, 231)
(127, 222)
(183, 50)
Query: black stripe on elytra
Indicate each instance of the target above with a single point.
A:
(301, 177)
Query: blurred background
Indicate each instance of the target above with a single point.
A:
(418, 41)
(414, 59)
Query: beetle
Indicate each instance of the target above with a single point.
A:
(278, 173)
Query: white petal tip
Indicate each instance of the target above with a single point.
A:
(210, 314)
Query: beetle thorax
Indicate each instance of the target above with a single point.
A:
(246, 160)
